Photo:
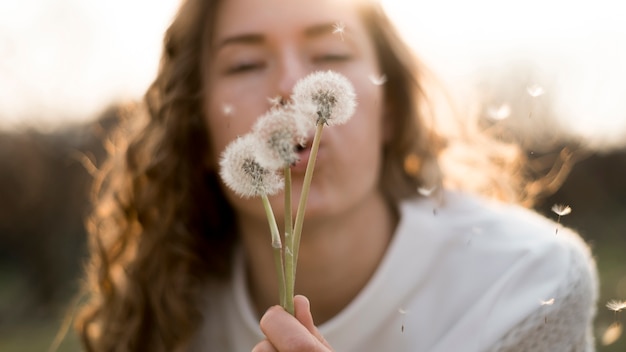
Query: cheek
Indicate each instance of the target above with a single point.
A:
(370, 109)
(228, 116)
(218, 124)
(362, 137)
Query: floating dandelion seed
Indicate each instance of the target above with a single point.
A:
(560, 210)
(241, 172)
(227, 109)
(280, 131)
(403, 313)
(326, 97)
(614, 331)
(499, 112)
(378, 80)
(426, 191)
(547, 303)
(535, 90)
(339, 28)
(616, 305)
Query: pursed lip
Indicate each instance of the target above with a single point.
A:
(304, 154)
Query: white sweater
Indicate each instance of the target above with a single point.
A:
(470, 275)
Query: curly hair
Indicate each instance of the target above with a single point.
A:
(161, 227)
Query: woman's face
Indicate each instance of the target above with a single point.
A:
(259, 50)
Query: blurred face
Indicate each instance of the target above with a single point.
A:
(259, 50)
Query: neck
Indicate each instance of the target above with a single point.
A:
(337, 254)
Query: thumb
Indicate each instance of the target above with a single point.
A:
(302, 308)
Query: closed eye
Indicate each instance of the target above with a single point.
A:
(245, 67)
(332, 58)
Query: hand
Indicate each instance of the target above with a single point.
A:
(286, 333)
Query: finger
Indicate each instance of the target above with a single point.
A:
(286, 333)
(264, 346)
(303, 314)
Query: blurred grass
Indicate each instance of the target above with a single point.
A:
(26, 326)
(36, 337)
(611, 259)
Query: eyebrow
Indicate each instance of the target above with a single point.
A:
(254, 38)
(324, 28)
(241, 39)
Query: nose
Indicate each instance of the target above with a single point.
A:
(291, 69)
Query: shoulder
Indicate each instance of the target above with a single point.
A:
(493, 228)
(515, 269)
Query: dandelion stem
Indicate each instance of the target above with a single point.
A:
(289, 271)
(277, 248)
(308, 176)
(288, 215)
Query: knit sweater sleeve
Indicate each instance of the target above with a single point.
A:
(565, 322)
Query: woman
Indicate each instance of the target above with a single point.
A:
(391, 258)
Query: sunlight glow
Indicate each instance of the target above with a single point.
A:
(65, 60)
(578, 46)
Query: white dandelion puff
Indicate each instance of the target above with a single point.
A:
(325, 97)
(535, 90)
(279, 131)
(616, 305)
(378, 80)
(241, 172)
(547, 303)
(500, 112)
(339, 28)
(561, 209)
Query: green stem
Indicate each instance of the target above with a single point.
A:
(289, 260)
(306, 184)
(277, 248)
(288, 220)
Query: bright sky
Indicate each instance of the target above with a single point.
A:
(65, 60)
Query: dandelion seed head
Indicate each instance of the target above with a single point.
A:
(325, 97)
(402, 311)
(535, 90)
(378, 80)
(616, 305)
(241, 172)
(561, 209)
(500, 112)
(279, 131)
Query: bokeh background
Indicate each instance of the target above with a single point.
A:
(549, 74)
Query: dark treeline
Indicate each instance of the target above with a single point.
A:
(45, 181)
